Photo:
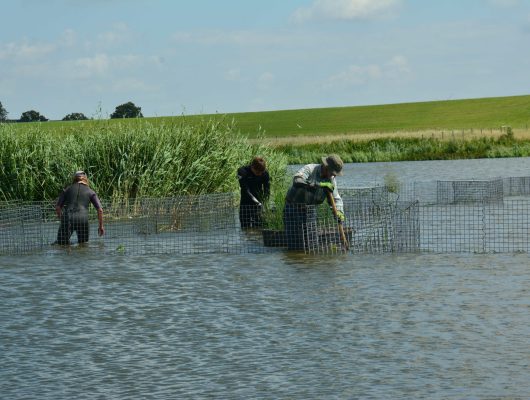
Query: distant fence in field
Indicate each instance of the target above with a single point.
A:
(478, 216)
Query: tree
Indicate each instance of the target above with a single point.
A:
(127, 110)
(3, 113)
(75, 117)
(32, 116)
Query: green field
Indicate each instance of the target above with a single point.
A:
(456, 114)
(485, 113)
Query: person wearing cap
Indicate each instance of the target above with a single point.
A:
(254, 181)
(72, 209)
(310, 186)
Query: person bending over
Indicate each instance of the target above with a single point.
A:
(310, 186)
(254, 181)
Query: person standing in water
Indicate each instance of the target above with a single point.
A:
(72, 210)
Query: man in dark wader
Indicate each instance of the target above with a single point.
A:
(311, 185)
(72, 209)
(254, 181)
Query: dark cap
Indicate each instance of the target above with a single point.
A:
(79, 173)
(334, 164)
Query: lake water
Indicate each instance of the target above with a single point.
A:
(370, 174)
(76, 324)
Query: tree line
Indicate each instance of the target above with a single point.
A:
(126, 110)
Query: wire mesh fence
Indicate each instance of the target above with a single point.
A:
(435, 216)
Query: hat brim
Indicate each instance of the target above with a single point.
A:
(325, 163)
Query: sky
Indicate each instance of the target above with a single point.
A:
(173, 57)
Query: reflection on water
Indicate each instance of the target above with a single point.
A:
(280, 325)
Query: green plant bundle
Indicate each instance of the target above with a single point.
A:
(129, 160)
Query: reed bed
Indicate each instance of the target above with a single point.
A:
(432, 146)
(129, 160)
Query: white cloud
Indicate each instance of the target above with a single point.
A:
(265, 81)
(355, 75)
(119, 34)
(89, 66)
(25, 50)
(102, 64)
(68, 38)
(398, 66)
(396, 69)
(345, 9)
(233, 74)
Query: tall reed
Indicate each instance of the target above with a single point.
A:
(128, 160)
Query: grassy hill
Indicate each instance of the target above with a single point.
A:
(452, 114)
(482, 113)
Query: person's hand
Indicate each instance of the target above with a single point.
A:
(340, 217)
(327, 186)
(101, 231)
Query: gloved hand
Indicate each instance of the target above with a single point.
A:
(327, 186)
(340, 217)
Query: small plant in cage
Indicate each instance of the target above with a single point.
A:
(391, 182)
(177, 216)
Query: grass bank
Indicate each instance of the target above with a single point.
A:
(409, 149)
(127, 160)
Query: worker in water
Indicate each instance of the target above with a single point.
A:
(254, 181)
(311, 185)
(72, 210)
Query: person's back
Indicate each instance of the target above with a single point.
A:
(77, 198)
(72, 210)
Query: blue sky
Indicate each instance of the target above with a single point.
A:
(173, 57)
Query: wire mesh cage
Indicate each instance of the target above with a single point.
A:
(436, 216)
(469, 191)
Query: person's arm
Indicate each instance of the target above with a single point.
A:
(242, 177)
(101, 229)
(339, 204)
(97, 204)
(302, 178)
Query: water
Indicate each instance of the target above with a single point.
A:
(265, 326)
(370, 174)
(77, 324)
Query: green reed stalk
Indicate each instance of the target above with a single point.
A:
(128, 160)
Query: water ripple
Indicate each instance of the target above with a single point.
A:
(264, 326)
